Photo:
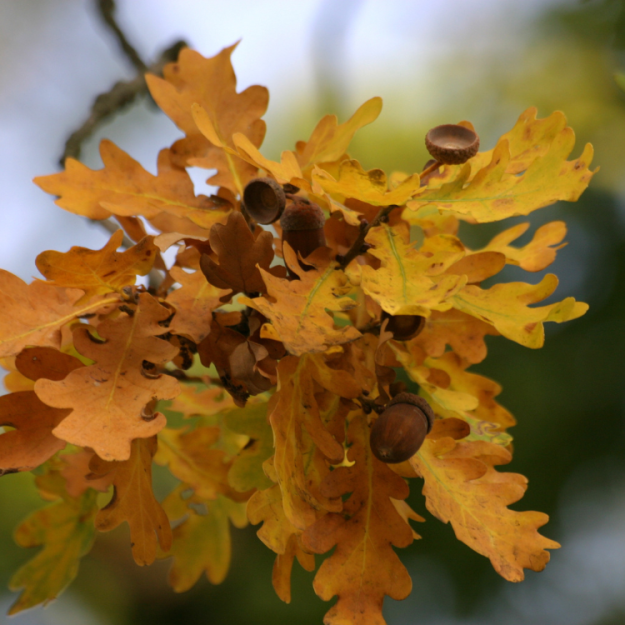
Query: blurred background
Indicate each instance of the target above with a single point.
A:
(433, 63)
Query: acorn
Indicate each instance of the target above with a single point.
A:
(452, 144)
(264, 200)
(302, 227)
(403, 327)
(400, 430)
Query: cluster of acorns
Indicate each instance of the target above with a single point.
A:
(399, 431)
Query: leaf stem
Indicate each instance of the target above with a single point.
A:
(365, 226)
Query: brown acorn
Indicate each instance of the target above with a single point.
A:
(403, 327)
(452, 144)
(302, 227)
(400, 430)
(264, 200)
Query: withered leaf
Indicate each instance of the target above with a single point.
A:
(239, 252)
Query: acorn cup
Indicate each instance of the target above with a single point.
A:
(264, 200)
(302, 228)
(403, 327)
(400, 430)
(452, 144)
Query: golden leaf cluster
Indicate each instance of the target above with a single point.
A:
(278, 375)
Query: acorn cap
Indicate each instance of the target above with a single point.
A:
(452, 144)
(302, 215)
(264, 199)
(415, 400)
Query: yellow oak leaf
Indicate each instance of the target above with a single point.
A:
(539, 253)
(66, 532)
(34, 314)
(283, 565)
(298, 309)
(109, 398)
(409, 281)
(367, 186)
(303, 444)
(31, 443)
(189, 456)
(246, 471)
(506, 307)
(123, 187)
(211, 84)
(133, 501)
(329, 140)
(364, 566)
(202, 542)
(511, 183)
(194, 302)
(97, 272)
(462, 488)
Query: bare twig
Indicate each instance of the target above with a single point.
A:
(107, 11)
(120, 95)
(359, 246)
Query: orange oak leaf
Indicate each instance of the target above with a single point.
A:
(194, 302)
(539, 253)
(109, 398)
(301, 440)
(133, 501)
(32, 441)
(298, 309)
(463, 333)
(277, 532)
(240, 254)
(462, 488)
(97, 272)
(363, 567)
(78, 474)
(34, 314)
(123, 187)
(211, 83)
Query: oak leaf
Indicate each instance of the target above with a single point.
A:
(34, 314)
(298, 309)
(539, 253)
(409, 281)
(211, 84)
(202, 542)
(303, 444)
(506, 307)
(32, 441)
(97, 272)
(123, 187)
(194, 302)
(462, 487)
(109, 397)
(192, 402)
(363, 567)
(367, 186)
(133, 501)
(240, 254)
(66, 532)
(511, 183)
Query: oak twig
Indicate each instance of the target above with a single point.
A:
(357, 246)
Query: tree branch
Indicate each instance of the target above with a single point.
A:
(120, 95)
